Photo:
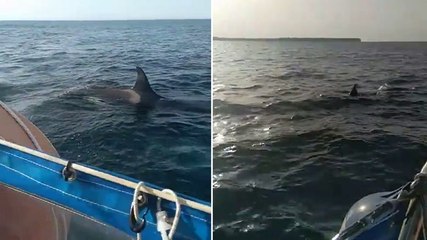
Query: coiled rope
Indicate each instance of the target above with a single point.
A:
(163, 224)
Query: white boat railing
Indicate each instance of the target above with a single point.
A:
(111, 178)
(411, 225)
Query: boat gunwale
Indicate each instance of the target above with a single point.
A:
(412, 220)
(110, 177)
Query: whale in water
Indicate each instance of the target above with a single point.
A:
(353, 91)
(143, 96)
(140, 94)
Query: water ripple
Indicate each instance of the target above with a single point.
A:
(44, 63)
(292, 151)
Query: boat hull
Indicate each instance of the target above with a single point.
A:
(14, 127)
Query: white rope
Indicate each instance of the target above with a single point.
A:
(162, 224)
(22, 125)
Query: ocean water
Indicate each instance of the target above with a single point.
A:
(293, 151)
(43, 63)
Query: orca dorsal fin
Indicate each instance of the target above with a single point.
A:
(142, 84)
(353, 91)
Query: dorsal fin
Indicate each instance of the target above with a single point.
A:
(142, 84)
(354, 92)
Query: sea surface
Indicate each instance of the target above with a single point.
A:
(43, 63)
(293, 151)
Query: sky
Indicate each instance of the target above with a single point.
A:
(104, 9)
(371, 20)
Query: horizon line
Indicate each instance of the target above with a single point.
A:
(99, 20)
(288, 38)
(310, 38)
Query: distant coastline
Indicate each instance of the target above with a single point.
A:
(102, 20)
(290, 39)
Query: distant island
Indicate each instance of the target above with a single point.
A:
(290, 39)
